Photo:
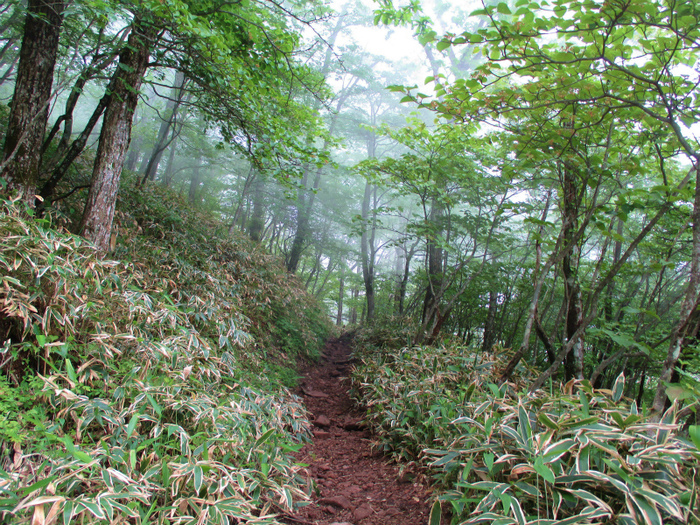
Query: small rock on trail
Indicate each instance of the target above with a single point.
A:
(354, 484)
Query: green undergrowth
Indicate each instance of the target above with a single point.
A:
(502, 456)
(148, 388)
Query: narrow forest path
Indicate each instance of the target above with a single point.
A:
(355, 484)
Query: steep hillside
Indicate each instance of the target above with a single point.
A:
(148, 388)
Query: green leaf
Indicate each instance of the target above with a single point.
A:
(264, 438)
(503, 9)
(546, 421)
(618, 387)
(518, 512)
(557, 450)
(543, 470)
(694, 431)
(198, 477)
(677, 392)
(71, 371)
(94, 509)
(132, 424)
(435, 514)
(443, 44)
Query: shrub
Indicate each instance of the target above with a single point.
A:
(129, 381)
(574, 456)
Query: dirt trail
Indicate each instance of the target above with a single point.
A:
(355, 484)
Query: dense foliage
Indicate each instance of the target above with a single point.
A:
(570, 454)
(525, 217)
(132, 388)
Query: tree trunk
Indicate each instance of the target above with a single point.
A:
(688, 306)
(170, 165)
(353, 311)
(195, 181)
(341, 295)
(75, 149)
(162, 142)
(367, 251)
(257, 218)
(573, 363)
(489, 325)
(431, 316)
(96, 224)
(71, 102)
(30, 103)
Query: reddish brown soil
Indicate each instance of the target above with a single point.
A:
(354, 484)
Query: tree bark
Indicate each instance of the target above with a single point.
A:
(573, 363)
(96, 224)
(30, 103)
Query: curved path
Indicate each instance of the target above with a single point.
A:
(355, 485)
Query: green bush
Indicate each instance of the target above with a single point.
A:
(575, 456)
(127, 383)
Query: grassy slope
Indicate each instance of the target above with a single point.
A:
(147, 389)
(570, 455)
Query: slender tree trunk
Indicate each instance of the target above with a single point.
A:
(96, 224)
(432, 316)
(353, 311)
(539, 277)
(688, 306)
(71, 102)
(341, 296)
(30, 103)
(573, 363)
(162, 142)
(367, 252)
(490, 325)
(170, 165)
(257, 217)
(7, 75)
(195, 181)
(75, 149)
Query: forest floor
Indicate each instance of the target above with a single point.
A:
(355, 484)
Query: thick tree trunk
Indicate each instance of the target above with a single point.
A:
(96, 224)
(30, 103)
